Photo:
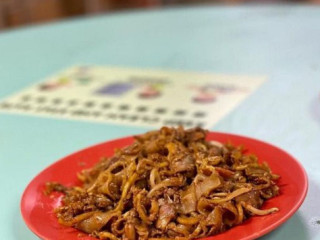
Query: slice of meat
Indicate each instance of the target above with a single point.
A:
(252, 198)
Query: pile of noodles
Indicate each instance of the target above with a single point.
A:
(169, 184)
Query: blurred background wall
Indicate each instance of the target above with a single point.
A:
(14, 13)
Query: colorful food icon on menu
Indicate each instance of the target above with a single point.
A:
(80, 77)
(205, 97)
(115, 89)
(149, 91)
(209, 93)
(83, 75)
(59, 83)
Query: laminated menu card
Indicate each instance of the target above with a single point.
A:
(128, 96)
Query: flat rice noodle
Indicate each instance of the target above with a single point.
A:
(256, 211)
(232, 195)
(215, 218)
(230, 214)
(96, 221)
(107, 236)
(205, 184)
(130, 231)
(179, 228)
(188, 200)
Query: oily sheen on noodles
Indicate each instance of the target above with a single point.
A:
(169, 184)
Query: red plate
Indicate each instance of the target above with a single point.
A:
(37, 209)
